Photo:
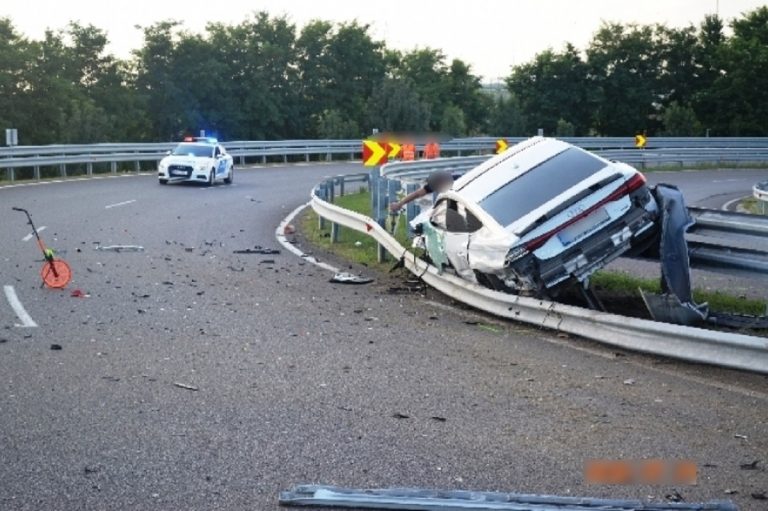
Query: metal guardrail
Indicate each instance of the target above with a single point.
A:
(687, 343)
(660, 151)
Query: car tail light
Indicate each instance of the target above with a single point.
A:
(629, 186)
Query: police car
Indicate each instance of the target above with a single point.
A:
(198, 160)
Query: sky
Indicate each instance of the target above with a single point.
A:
(491, 35)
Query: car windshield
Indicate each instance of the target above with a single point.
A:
(540, 184)
(198, 150)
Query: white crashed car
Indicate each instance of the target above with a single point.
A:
(199, 160)
(542, 214)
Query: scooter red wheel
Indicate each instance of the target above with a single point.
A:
(56, 274)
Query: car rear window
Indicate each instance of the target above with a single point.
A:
(540, 184)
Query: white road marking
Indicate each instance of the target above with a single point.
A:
(110, 206)
(18, 308)
(75, 179)
(727, 205)
(280, 235)
(29, 236)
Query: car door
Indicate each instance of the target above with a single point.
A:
(453, 225)
(221, 160)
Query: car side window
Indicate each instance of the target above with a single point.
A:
(217, 152)
(453, 216)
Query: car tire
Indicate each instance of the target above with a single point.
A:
(211, 178)
(231, 177)
(162, 181)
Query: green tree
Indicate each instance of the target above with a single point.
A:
(156, 83)
(15, 57)
(453, 122)
(426, 71)
(356, 67)
(395, 106)
(507, 118)
(553, 86)
(331, 124)
(565, 129)
(465, 92)
(737, 102)
(624, 63)
(680, 121)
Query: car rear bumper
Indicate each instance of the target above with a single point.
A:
(543, 276)
(597, 250)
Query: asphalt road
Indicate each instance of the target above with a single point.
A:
(303, 381)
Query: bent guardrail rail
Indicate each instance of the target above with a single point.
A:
(693, 344)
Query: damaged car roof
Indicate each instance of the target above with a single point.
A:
(534, 167)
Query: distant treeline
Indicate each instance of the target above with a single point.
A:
(266, 79)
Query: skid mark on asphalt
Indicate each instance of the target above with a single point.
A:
(18, 308)
(118, 204)
(31, 234)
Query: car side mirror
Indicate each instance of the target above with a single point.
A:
(168, 152)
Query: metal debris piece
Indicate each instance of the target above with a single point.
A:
(348, 278)
(675, 304)
(185, 386)
(119, 248)
(438, 500)
(258, 249)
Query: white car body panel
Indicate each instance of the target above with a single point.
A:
(604, 207)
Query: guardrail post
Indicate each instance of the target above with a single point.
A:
(341, 181)
(373, 184)
(9, 174)
(63, 169)
(323, 192)
(306, 157)
(411, 209)
(285, 158)
(263, 159)
(137, 166)
(113, 167)
(36, 173)
(334, 232)
(242, 160)
(328, 156)
(89, 169)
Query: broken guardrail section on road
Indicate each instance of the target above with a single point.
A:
(439, 500)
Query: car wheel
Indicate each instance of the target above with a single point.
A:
(163, 181)
(211, 178)
(231, 177)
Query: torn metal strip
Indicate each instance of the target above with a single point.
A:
(439, 500)
(119, 248)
